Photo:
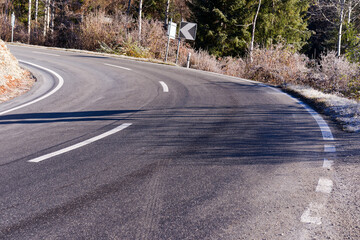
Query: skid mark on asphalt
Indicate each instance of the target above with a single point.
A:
(153, 204)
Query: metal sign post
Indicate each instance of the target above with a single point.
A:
(12, 26)
(177, 52)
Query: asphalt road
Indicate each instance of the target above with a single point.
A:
(212, 158)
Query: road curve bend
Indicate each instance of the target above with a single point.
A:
(202, 156)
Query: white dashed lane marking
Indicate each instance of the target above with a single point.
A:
(81, 144)
(48, 54)
(328, 164)
(311, 214)
(116, 66)
(329, 148)
(324, 185)
(165, 87)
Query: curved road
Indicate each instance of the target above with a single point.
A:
(211, 158)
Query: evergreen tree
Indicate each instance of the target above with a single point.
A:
(224, 26)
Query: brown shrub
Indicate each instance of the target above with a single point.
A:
(277, 65)
(340, 74)
(233, 66)
(153, 37)
(98, 27)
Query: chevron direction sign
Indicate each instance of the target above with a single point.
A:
(188, 30)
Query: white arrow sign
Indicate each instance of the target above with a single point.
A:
(188, 30)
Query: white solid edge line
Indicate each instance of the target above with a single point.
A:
(117, 66)
(165, 87)
(60, 84)
(324, 127)
(81, 144)
(49, 54)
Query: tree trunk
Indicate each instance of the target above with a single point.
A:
(167, 14)
(128, 8)
(253, 32)
(140, 18)
(52, 9)
(342, 2)
(6, 9)
(29, 21)
(46, 17)
(349, 13)
(36, 11)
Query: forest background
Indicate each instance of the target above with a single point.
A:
(304, 42)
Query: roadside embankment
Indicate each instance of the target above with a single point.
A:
(344, 111)
(14, 80)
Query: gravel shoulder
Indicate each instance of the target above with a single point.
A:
(344, 204)
(341, 216)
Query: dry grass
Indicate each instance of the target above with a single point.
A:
(119, 34)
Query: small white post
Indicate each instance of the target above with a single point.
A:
(188, 60)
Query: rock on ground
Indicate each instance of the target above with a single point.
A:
(14, 80)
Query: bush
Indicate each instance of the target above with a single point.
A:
(277, 65)
(97, 27)
(339, 73)
(233, 66)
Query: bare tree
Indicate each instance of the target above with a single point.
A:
(29, 21)
(52, 9)
(46, 17)
(36, 11)
(253, 31)
(140, 18)
(334, 12)
(128, 8)
(342, 8)
(167, 14)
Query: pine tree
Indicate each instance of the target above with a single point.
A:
(222, 26)
(225, 26)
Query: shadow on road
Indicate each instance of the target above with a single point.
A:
(33, 118)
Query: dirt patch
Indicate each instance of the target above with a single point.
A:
(14, 81)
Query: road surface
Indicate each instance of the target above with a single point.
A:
(131, 150)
